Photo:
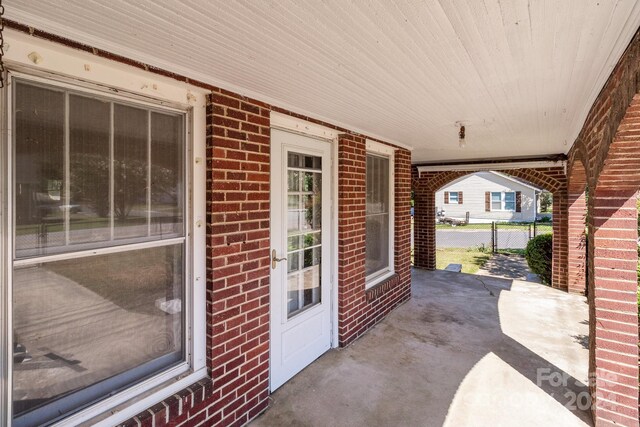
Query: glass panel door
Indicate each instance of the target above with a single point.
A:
(304, 231)
(300, 290)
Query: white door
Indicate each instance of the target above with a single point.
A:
(300, 252)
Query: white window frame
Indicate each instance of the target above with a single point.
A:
(457, 193)
(503, 201)
(66, 67)
(382, 150)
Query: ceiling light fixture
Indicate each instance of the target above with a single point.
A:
(461, 137)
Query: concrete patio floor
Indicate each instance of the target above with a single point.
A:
(453, 355)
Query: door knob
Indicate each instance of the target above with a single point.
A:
(275, 259)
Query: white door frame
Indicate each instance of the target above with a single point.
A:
(294, 125)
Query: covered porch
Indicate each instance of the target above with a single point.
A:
(332, 116)
(465, 350)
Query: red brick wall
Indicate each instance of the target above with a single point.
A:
(608, 150)
(616, 326)
(358, 308)
(238, 256)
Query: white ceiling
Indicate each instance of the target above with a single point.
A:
(521, 75)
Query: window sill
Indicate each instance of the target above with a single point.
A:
(370, 283)
(174, 406)
(382, 285)
(106, 414)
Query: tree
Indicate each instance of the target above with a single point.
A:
(90, 183)
(546, 202)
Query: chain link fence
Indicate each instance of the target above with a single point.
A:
(471, 245)
(493, 237)
(458, 239)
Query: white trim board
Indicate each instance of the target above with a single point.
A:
(480, 167)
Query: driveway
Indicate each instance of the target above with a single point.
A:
(461, 352)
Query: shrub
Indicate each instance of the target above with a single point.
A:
(539, 255)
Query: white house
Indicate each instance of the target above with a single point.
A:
(489, 196)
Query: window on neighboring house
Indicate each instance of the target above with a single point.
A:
(453, 197)
(379, 212)
(503, 201)
(496, 201)
(99, 268)
(510, 201)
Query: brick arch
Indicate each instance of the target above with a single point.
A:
(577, 215)
(551, 179)
(620, 169)
(577, 175)
(427, 184)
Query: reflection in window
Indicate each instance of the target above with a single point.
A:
(304, 231)
(119, 176)
(377, 215)
(39, 167)
(91, 172)
(80, 323)
(89, 167)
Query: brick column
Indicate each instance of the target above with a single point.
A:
(577, 249)
(424, 229)
(615, 261)
(560, 231)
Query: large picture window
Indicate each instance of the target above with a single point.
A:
(379, 212)
(99, 246)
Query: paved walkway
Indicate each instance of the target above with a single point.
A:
(459, 353)
(506, 266)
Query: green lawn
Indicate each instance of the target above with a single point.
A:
(471, 259)
(511, 251)
(75, 224)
